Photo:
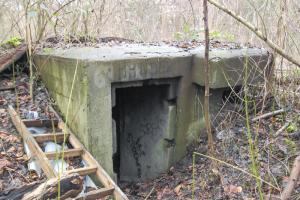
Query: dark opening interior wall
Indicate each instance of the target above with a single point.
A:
(221, 99)
(141, 116)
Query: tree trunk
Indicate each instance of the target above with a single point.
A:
(207, 75)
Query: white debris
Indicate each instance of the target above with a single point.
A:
(32, 115)
(53, 147)
(34, 166)
(59, 166)
(87, 182)
(37, 130)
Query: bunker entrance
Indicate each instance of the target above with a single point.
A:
(141, 122)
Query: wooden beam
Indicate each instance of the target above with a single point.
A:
(58, 137)
(32, 144)
(9, 59)
(40, 123)
(96, 194)
(83, 171)
(101, 174)
(69, 153)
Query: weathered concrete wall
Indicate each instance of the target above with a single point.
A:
(103, 70)
(57, 74)
(228, 67)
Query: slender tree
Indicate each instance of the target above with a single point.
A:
(207, 74)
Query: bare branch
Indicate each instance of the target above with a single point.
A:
(257, 32)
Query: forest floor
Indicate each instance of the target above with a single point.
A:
(274, 154)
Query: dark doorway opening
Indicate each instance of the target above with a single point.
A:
(140, 115)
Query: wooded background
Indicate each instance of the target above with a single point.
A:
(152, 20)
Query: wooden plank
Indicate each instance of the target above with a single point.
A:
(101, 174)
(83, 171)
(96, 194)
(40, 123)
(10, 58)
(32, 144)
(58, 137)
(69, 153)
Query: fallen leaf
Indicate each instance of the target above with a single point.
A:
(4, 163)
(3, 134)
(11, 149)
(12, 138)
(233, 189)
(177, 189)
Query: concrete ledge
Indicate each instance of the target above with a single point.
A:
(228, 67)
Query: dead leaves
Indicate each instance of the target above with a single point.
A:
(2, 101)
(166, 191)
(177, 189)
(10, 147)
(232, 189)
(3, 164)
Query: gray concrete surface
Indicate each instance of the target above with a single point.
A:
(137, 107)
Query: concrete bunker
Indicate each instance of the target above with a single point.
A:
(137, 107)
(143, 117)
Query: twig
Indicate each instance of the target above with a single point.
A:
(270, 114)
(257, 32)
(292, 180)
(49, 19)
(237, 168)
(7, 88)
(147, 197)
(13, 170)
(282, 128)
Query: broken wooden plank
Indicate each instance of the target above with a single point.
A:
(69, 153)
(96, 194)
(40, 123)
(58, 137)
(70, 186)
(11, 57)
(83, 170)
(32, 144)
